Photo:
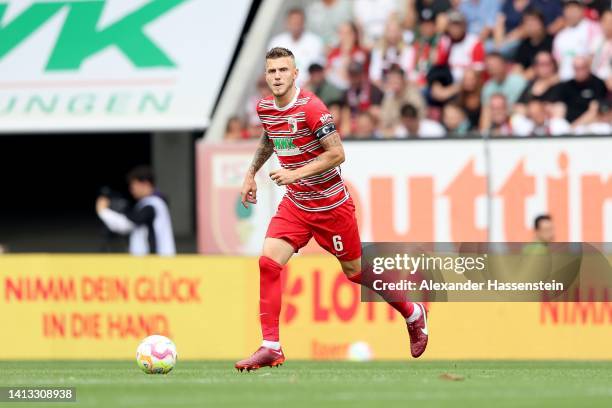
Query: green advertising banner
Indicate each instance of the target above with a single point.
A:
(113, 64)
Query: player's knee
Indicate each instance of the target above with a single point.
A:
(278, 250)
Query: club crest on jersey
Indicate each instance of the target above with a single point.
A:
(326, 117)
(293, 125)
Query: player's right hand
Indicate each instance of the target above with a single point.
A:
(102, 203)
(248, 193)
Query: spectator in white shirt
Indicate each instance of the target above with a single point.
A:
(148, 223)
(323, 18)
(540, 121)
(391, 50)
(372, 16)
(601, 124)
(575, 39)
(306, 46)
(601, 50)
(413, 126)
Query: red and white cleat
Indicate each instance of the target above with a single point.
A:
(263, 357)
(419, 333)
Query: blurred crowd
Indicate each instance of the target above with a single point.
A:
(392, 69)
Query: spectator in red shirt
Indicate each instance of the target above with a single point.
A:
(362, 95)
(459, 49)
(234, 130)
(348, 50)
(252, 118)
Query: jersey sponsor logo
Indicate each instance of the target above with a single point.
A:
(284, 146)
(284, 143)
(326, 117)
(293, 125)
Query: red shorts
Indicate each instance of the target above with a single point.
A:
(334, 230)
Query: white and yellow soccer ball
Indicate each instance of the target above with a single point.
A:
(359, 351)
(156, 355)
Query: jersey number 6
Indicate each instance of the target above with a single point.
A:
(337, 240)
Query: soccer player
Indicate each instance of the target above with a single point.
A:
(300, 129)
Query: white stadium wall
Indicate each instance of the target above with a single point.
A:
(429, 190)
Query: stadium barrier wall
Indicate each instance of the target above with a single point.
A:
(427, 191)
(100, 307)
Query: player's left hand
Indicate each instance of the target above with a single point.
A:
(282, 177)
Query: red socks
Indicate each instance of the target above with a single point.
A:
(405, 308)
(269, 297)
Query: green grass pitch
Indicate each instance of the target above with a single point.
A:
(408, 384)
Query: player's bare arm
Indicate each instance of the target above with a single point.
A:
(262, 154)
(332, 157)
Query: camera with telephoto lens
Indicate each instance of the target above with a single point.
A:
(118, 203)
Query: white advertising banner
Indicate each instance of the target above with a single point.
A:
(114, 65)
(569, 178)
(434, 190)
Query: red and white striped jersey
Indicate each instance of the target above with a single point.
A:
(467, 53)
(296, 131)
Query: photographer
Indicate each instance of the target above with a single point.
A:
(148, 223)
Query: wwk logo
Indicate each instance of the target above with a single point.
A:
(81, 37)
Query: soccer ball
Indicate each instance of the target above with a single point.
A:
(359, 351)
(156, 355)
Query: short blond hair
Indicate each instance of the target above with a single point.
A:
(279, 52)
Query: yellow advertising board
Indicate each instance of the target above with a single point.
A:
(83, 307)
(100, 307)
